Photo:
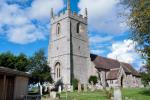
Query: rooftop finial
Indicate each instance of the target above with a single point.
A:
(68, 5)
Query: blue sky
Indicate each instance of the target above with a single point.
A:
(25, 27)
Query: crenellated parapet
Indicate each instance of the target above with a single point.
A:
(69, 14)
(66, 14)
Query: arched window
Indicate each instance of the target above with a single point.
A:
(58, 28)
(57, 70)
(78, 27)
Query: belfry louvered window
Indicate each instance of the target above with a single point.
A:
(58, 28)
(78, 27)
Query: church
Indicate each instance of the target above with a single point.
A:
(69, 54)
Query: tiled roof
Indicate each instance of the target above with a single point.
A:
(107, 64)
(113, 74)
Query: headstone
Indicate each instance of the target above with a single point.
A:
(68, 88)
(126, 98)
(59, 89)
(45, 88)
(40, 89)
(92, 87)
(98, 86)
(49, 91)
(117, 93)
(79, 87)
(71, 88)
(65, 88)
(53, 95)
(85, 87)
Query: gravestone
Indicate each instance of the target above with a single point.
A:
(79, 87)
(40, 89)
(117, 93)
(98, 86)
(92, 87)
(65, 88)
(71, 88)
(85, 87)
(59, 89)
(68, 88)
(50, 86)
(53, 95)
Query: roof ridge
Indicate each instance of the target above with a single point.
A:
(113, 59)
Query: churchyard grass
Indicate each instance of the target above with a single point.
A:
(136, 93)
(130, 93)
(96, 95)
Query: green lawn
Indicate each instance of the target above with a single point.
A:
(136, 94)
(97, 95)
(131, 94)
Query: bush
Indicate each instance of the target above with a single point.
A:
(93, 79)
(75, 84)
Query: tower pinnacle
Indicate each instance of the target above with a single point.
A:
(68, 5)
(86, 12)
(52, 14)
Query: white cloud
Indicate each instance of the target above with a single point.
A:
(125, 51)
(25, 34)
(100, 39)
(40, 9)
(20, 28)
(104, 15)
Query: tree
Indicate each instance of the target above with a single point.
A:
(139, 22)
(39, 68)
(21, 62)
(36, 65)
(145, 78)
(14, 62)
(7, 60)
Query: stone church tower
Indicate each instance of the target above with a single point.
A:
(69, 55)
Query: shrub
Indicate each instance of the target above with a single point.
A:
(93, 79)
(75, 84)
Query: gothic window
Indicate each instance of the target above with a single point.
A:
(57, 70)
(78, 27)
(58, 28)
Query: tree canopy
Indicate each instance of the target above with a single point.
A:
(39, 68)
(12, 61)
(36, 65)
(139, 22)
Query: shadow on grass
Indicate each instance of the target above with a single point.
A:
(145, 92)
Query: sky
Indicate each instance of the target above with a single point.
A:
(25, 27)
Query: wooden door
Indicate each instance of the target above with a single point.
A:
(9, 87)
(1, 86)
